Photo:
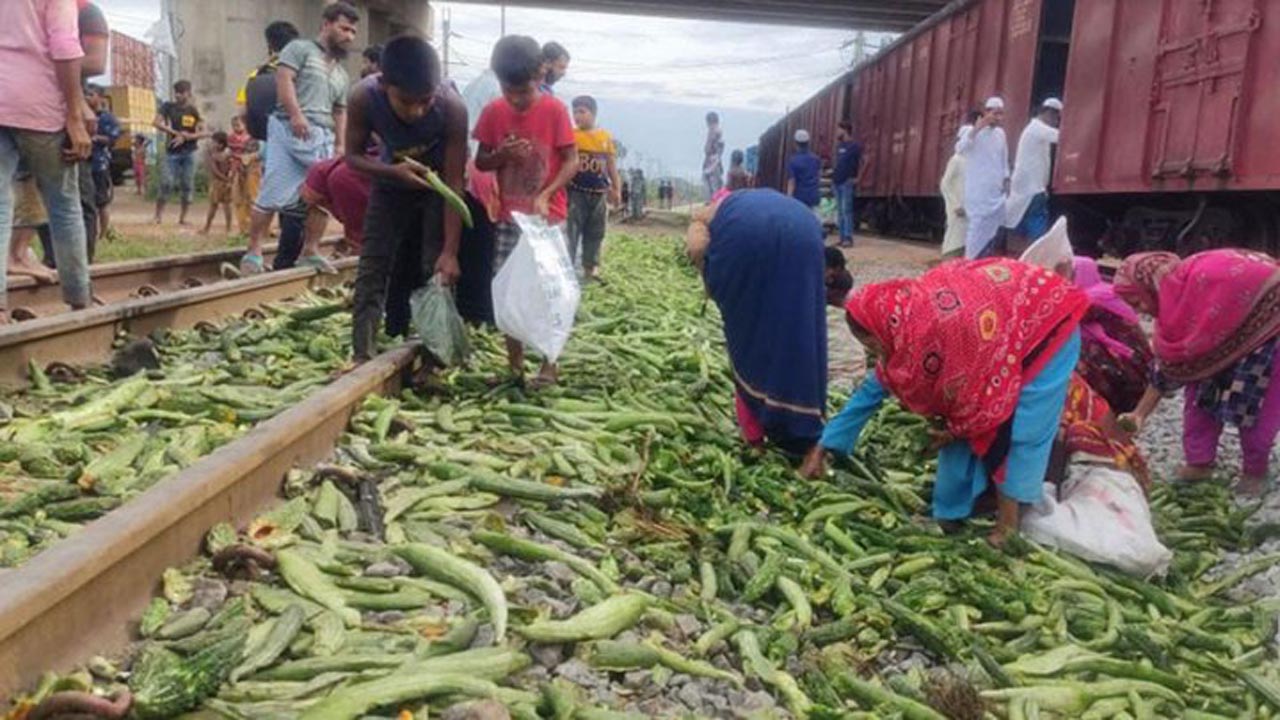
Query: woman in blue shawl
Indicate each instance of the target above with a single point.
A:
(762, 259)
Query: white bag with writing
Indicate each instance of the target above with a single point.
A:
(1103, 517)
(536, 293)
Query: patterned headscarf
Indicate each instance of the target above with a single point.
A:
(1138, 279)
(1214, 308)
(961, 339)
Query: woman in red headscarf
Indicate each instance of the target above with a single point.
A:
(1217, 318)
(986, 349)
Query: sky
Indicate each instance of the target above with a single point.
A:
(657, 76)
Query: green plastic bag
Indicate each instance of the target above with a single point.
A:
(439, 326)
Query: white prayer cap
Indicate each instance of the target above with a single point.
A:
(1052, 250)
(802, 136)
(1052, 103)
(994, 103)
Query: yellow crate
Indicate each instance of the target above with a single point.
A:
(132, 103)
(129, 128)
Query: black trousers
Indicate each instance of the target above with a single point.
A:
(474, 293)
(403, 237)
(293, 223)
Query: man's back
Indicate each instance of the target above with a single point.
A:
(806, 169)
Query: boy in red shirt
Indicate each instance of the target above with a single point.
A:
(525, 137)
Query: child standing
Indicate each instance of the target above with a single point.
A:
(217, 160)
(597, 179)
(140, 143)
(246, 171)
(525, 137)
(409, 234)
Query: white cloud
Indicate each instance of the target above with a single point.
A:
(699, 62)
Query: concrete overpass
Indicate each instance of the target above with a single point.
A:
(888, 15)
(220, 41)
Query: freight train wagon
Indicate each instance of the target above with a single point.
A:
(1169, 137)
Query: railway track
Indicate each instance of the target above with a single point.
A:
(131, 279)
(52, 608)
(86, 336)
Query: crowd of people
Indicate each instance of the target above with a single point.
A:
(1012, 361)
(1005, 358)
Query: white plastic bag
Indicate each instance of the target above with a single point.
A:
(1103, 517)
(535, 294)
(439, 326)
(1052, 250)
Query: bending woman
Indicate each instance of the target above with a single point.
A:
(1115, 357)
(762, 259)
(986, 349)
(1217, 317)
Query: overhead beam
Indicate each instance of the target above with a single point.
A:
(886, 15)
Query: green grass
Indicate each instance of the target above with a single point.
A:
(131, 247)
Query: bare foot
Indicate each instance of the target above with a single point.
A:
(32, 269)
(998, 538)
(203, 232)
(1252, 486)
(1195, 473)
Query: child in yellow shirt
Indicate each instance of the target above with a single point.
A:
(593, 189)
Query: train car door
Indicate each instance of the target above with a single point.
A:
(1203, 55)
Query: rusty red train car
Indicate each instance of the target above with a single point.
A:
(1167, 136)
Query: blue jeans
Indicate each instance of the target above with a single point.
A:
(179, 175)
(59, 185)
(845, 198)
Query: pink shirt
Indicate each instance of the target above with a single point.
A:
(33, 35)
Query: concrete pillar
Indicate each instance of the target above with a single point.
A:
(219, 43)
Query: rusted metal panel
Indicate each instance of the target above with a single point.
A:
(919, 90)
(1164, 95)
(907, 102)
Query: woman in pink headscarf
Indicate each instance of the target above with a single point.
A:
(1217, 318)
(1115, 357)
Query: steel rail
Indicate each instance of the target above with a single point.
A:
(119, 281)
(86, 336)
(81, 596)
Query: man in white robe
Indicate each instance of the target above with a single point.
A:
(1028, 207)
(952, 188)
(986, 179)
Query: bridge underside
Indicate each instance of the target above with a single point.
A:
(886, 15)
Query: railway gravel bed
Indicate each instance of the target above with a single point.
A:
(79, 443)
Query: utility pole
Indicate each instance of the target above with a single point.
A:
(447, 32)
(504, 20)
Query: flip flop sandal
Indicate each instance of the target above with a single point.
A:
(251, 264)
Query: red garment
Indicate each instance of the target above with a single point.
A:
(546, 124)
(752, 430)
(238, 143)
(962, 339)
(343, 193)
(1214, 308)
(1089, 426)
